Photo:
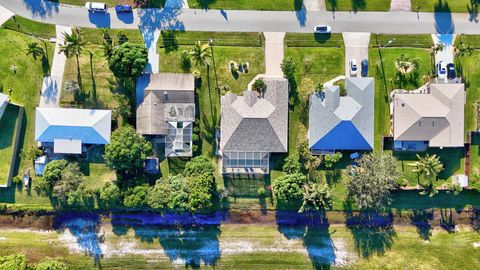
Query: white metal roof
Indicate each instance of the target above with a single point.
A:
(61, 146)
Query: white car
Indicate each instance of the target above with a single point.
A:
(353, 68)
(96, 7)
(442, 70)
(322, 29)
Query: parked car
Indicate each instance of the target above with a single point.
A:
(353, 68)
(364, 68)
(123, 8)
(451, 71)
(96, 7)
(441, 70)
(322, 29)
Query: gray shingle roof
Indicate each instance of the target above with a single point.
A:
(161, 103)
(253, 123)
(327, 110)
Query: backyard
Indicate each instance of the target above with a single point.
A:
(357, 5)
(7, 136)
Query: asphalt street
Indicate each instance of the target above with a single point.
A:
(250, 21)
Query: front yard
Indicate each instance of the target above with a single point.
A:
(460, 6)
(357, 5)
(247, 4)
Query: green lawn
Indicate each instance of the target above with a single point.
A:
(472, 40)
(462, 6)
(246, 4)
(7, 137)
(358, 5)
(416, 41)
(94, 35)
(99, 84)
(170, 40)
(30, 27)
(312, 40)
(384, 82)
(469, 65)
(26, 82)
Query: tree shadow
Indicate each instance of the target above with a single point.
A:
(42, 8)
(473, 10)
(447, 221)
(85, 227)
(443, 18)
(359, 5)
(94, 84)
(205, 4)
(373, 233)
(313, 229)
(169, 40)
(191, 239)
(333, 4)
(421, 219)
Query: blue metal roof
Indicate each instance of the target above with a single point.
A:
(85, 134)
(344, 136)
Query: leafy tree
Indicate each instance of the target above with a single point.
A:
(179, 197)
(73, 45)
(50, 264)
(316, 197)
(52, 173)
(70, 180)
(71, 87)
(35, 50)
(288, 66)
(330, 160)
(128, 60)
(289, 188)
(136, 197)
(160, 194)
(31, 153)
(201, 54)
(13, 262)
(198, 166)
(308, 161)
(372, 180)
(123, 108)
(110, 194)
(259, 85)
(200, 189)
(107, 42)
(292, 164)
(429, 166)
(127, 151)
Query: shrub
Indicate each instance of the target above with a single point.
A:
(185, 61)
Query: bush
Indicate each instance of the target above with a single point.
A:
(262, 192)
(17, 180)
(110, 194)
(185, 61)
(259, 85)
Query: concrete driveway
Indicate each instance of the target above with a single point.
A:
(356, 47)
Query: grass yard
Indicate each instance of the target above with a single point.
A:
(94, 35)
(27, 26)
(247, 4)
(461, 6)
(208, 97)
(416, 41)
(26, 82)
(170, 40)
(8, 123)
(248, 246)
(99, 84)
(472, 40)
(313, 40)
(469, 65)
(384, 83)
(357, 5)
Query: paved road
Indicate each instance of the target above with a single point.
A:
(254, 21)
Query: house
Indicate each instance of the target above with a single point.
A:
(253, 126)
(69, 130)
(342, 123)
(431, 118)
(3, 103)
(167, 109)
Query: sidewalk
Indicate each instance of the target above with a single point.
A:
(52, 85)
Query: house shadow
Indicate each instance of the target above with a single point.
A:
(443, 18)
(191, 239)
(85, 228)
(373, 233)
(313, 229)
(422, 219)
(42, 8)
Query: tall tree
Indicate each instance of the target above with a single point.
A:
(428, 166)
(35, 51)
(201, 54)
(128, 60)
(316, 197)
(289, 188)
(73, 45)
(372, 180)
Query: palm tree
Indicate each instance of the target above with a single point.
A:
(73, 45)
(35, 50)
(200, 53)
(463, 49)
(436, 48)
(428, 166)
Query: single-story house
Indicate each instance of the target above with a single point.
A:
(68, 130)
(434, 118)
(342, 123)
(3, 103)
(167, 109)
(253, 126)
